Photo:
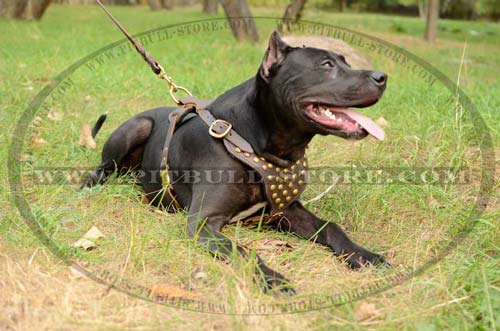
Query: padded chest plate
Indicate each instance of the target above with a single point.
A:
(282, 185)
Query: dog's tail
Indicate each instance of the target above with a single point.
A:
(98, 124)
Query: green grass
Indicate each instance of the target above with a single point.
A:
(405, 223)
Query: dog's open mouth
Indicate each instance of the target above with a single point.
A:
(343, 119)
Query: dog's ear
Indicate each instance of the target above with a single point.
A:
(275, 54)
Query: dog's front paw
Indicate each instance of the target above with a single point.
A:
(275, 283)
(364, 258)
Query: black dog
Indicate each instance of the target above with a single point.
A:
(297, 93)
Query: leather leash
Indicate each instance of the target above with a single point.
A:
(155, 66)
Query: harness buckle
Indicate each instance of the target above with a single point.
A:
(222, 134)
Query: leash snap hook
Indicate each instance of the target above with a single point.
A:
(173, 87)
(216, 134)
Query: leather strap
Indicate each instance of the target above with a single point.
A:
(221, 129)
(195, 102)
(174, 119)
(187, 105)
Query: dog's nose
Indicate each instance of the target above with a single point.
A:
(379, 78)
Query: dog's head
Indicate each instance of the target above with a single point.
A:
(314, 88)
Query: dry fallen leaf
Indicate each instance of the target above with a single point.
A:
(198, 279)
(200, 275)
(86, 139)
(42, 80)
(93, 233)
(37, 121)
(145, 199)
(38, 142)
(366, 311)
(55, 116)
(85, 244)
(170, 291)
(382, 122)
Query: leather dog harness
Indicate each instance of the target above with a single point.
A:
(282, 185)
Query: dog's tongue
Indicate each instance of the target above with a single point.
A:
(365, 122)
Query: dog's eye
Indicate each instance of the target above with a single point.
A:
(328, 63)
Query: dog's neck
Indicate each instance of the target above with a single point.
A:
(253, 115)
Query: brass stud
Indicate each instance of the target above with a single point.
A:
(288, 198)
(301, 182)
(278, 169)
(304, 164)
(290, 185)
(285, 192)
(280, 186)
(273, 187)
(281, 206)
(298, 162)
(264, 167)
(286, 171)
(294, 176)
(295, 191)
(274, 196)
(238, 150)
(302, 172)
(256, 160)
(286, 178)
(279, 179)
(293, 167)
(246, 154)
(270, 165)
(270, 177)
(277, 200)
